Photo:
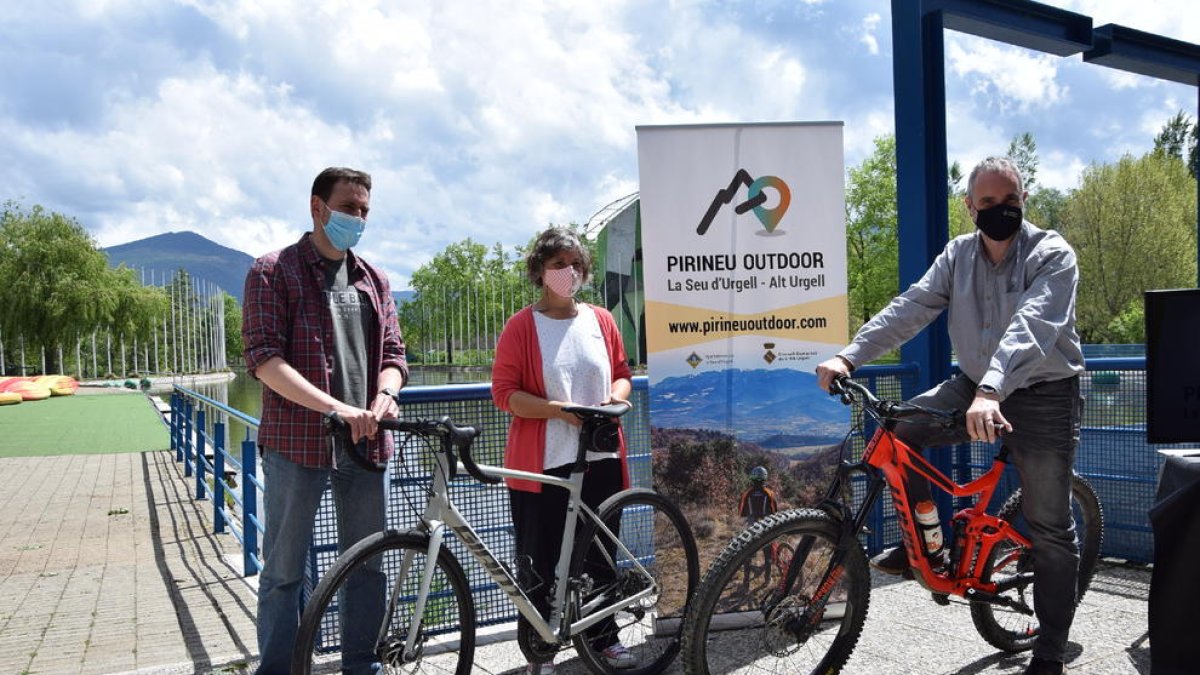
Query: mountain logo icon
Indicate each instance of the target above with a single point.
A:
(755, 198)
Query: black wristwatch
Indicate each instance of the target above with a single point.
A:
(986, 389)
(391, 393)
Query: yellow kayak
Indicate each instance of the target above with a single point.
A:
(59, 385)
(9, 398)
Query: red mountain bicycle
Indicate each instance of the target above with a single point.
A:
(810, 619)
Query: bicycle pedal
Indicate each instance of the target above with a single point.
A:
(941, 599)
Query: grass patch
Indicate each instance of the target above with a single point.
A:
(82, 425)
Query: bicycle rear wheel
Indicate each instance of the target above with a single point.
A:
(658, 536)
(766, 624)
(386, 569)
(1011, 630)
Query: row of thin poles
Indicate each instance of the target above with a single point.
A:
(188, 338)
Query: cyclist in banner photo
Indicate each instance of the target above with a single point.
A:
(758, 501)
(1009, 290)
(320, 333)
(552, 354)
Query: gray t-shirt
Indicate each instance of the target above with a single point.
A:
(352, 317)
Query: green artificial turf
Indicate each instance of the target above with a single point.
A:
(82, 425)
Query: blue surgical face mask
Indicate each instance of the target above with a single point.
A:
(343, 230)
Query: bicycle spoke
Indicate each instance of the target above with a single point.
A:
(379, 629)
(788, 621)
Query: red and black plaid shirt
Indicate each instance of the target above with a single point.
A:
(285, 313)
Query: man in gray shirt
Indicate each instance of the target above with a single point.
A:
(1009, 289)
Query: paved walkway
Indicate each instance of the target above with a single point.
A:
(107, 566)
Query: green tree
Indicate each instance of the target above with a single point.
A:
(54, 282)
(1180, 138)
(871, 240)
(463, 296)
(233, 328)
(137, 309)
(1132, 224)
(1022, 150)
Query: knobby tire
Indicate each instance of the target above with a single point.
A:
(1007, 629)
(745, 625)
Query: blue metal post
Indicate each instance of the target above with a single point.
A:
(176, 425)
(249, 507)
(200, 443)
(921, 174)
(218, 477)
(921, 181)
(187, 437)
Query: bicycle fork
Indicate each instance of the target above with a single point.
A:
(412, 650)
(802, 625)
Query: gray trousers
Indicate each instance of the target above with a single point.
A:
(1045, 418)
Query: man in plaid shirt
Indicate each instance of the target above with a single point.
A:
(320, 332)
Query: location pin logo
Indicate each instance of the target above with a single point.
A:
(769, 217)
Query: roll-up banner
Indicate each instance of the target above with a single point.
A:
(744, 251)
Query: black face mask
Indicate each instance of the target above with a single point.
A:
(1000, 222)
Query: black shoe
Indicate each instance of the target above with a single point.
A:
(1040, 666)
(893, 561)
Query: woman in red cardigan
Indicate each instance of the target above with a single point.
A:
(558, 352)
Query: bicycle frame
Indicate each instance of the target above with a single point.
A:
(976, 532)
(441, 514)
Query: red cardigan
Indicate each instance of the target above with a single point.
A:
(518, 367)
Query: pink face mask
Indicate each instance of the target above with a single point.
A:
(564, 282)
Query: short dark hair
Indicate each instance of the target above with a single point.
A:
(550, 243)
(327, 179)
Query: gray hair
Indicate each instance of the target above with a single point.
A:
(1002, 165)
(550, 243)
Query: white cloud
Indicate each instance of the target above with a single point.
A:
(870, 24)
(1060, 170)
(480, 119)
(1005, 75)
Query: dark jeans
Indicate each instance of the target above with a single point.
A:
(1045, 418)
(538, 527)
(293, 495)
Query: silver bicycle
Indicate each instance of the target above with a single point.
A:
(625, 573)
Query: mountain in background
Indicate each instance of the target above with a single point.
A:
(164, 254)
(774, 408)
(203, 258)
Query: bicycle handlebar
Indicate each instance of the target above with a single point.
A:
(454, 437)
(854, 392)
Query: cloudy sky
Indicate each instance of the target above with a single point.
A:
(487, 119)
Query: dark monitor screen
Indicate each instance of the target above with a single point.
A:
(1173, 366)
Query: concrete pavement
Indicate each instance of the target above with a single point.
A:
(108, 566)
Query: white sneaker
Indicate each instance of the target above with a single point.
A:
(546, 668)
(619, 657)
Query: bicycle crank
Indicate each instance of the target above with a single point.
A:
(391, 652)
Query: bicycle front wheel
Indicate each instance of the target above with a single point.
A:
(1013, 630)
(361, 613)
(804, 620)
(657, 539)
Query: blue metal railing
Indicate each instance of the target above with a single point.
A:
(1113, 455)
(203, 450)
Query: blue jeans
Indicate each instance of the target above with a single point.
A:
(293, 494)
(1045, 419)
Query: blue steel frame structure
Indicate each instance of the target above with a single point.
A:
(918, 28)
